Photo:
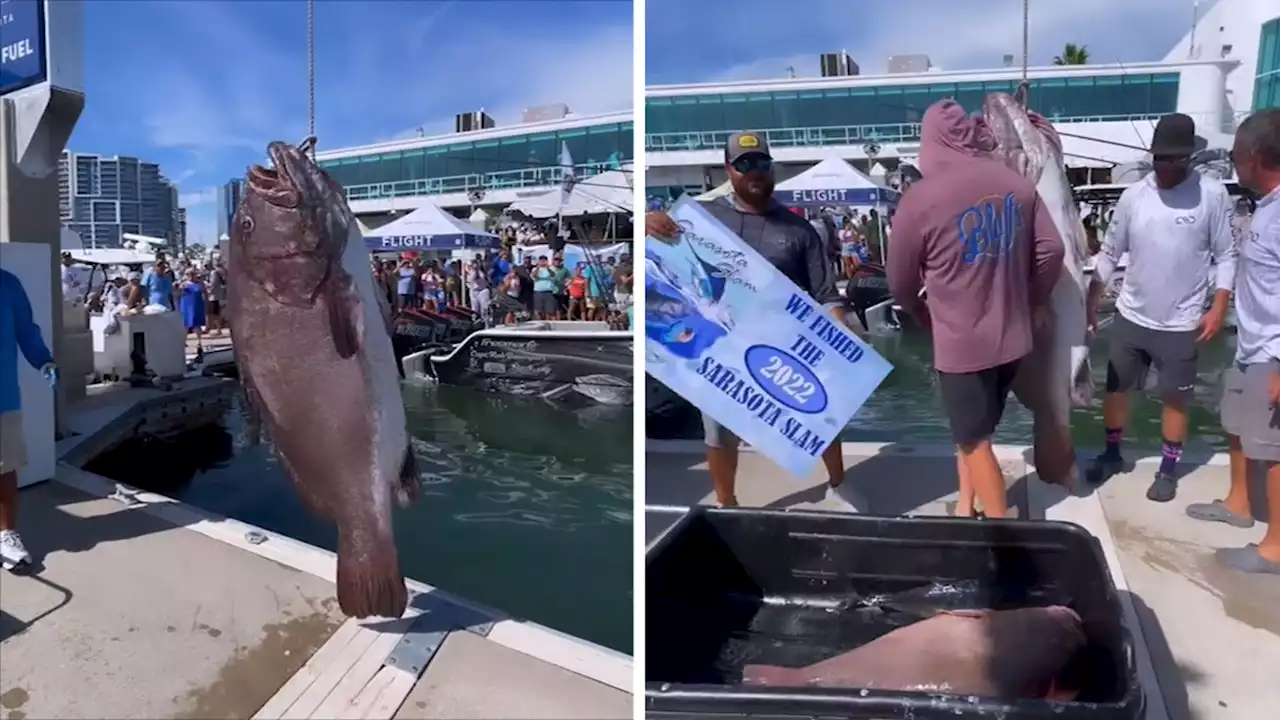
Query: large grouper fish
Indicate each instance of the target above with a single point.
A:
(1057, 374)
(313, 347)
(1009, 654)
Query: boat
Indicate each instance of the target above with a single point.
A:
(415, 329)
(569, 362)
(518, 425)
(868, 288)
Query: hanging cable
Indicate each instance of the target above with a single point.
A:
(311, 74)
(1024, 87)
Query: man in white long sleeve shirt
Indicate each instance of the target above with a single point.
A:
(1176, 226)
(1251, 387)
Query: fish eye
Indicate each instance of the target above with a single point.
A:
(246, 224)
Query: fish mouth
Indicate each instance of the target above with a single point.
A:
(277, 185)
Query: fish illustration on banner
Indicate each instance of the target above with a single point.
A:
(735, 337)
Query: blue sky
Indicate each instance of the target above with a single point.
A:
(201, 86)
(717, 40)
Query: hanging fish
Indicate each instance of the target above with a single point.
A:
(313, 346)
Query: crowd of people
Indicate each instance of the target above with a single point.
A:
(502, 291)
(197, 290)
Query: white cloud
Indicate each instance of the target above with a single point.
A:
(202, 224)
(955, 35)
(591, 74)
(416, 74)
(231, 101)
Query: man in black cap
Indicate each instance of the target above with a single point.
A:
(793, 246)
(1174, 224)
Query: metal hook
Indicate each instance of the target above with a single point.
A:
(307, 143)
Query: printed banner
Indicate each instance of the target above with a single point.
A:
(735, 337)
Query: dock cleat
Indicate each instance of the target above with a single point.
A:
(13, 554)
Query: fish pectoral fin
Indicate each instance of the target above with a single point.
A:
(253, 404)
(410, 481)
(346, 316)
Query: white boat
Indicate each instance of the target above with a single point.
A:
(565, 361)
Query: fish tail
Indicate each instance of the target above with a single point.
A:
(369, 579)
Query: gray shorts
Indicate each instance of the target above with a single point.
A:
(1246, 410)
(1135, 350)
(717, 435)
(13, 445)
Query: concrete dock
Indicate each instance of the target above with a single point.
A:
(1209, 638)
(157, 609)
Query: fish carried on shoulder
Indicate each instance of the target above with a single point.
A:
(314, 351)
(1057, 375)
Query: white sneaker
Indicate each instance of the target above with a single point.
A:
(12, 552)
(848, 498)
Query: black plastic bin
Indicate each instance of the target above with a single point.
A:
(725, 588)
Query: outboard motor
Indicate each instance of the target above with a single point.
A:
(869, 286)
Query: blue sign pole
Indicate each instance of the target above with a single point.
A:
(23, 61)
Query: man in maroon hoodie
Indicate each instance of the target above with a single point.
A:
(978, 237)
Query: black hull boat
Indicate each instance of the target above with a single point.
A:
(868, 289)
(573, 363)
(415, 329)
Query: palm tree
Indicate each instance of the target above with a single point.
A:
(1073, 54)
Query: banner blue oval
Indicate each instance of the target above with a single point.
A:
(786, 379)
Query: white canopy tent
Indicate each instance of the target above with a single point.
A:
(603, 194)
(429, 228)
(574, 254)
(833, 182)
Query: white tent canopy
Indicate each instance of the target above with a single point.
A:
(574, 254)
(832, 182)
(428, 228)
(608, 192)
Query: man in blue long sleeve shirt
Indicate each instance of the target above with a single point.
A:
(1175, 224)
(18, 331)
(1251, 387)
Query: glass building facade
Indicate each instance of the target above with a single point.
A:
(509, 162)
(228, 200)
(102, 198)
(1266, 87)
(889, 113)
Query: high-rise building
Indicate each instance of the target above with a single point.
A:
(101, 198)
(181, 220)
(228, 199)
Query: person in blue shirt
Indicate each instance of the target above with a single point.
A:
(545, 306)
(501, 267)
(18, 331)
(159, 284)
(595, 275)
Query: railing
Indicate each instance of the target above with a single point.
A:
(836, 135)
(505, 180)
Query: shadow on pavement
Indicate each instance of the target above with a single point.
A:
(1174, 677)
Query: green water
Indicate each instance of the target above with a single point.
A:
(526, 507)
(907, 406)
